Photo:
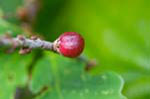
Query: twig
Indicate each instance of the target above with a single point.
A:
(26, 44)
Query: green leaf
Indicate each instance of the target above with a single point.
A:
(6, 27)
(1, 13)
(13, 73)
(41, 75)
(9, 8)
(66, 79)
(13, 67)
(116, 34)
(140, 88)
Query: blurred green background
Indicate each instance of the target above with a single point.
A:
(116, 32)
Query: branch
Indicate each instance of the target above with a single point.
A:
(26, 44)
(68, 44)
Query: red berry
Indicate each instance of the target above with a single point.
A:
(70, 44)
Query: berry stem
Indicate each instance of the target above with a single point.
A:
(69, 44)
(23, 42)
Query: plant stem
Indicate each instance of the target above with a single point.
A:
(23, 42)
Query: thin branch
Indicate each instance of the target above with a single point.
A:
(26, 43)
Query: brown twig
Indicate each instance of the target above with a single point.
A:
(26, 44)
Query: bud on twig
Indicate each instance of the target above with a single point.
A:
(69, 44)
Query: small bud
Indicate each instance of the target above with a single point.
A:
(25, 50)
(21, 37)
(69, 44)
